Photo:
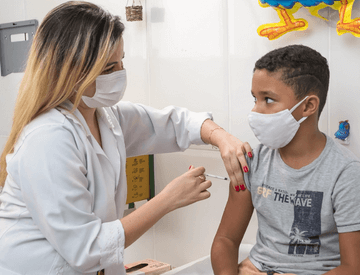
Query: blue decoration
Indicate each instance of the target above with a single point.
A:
(289, 4)
(344, 130)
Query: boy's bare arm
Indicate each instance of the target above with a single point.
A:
(235, 219)
(349, 253)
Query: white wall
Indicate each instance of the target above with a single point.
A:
(200, 54)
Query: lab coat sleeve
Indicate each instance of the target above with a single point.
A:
(52, 176)
(148, 130)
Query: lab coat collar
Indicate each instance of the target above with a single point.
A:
(105, 116)
(76, 116)
(108, 117)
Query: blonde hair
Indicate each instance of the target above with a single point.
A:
(70, 49)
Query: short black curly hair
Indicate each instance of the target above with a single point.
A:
(303, 69)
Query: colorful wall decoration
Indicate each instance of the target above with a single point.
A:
(286, 8)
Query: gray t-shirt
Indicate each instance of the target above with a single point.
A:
(301, 211)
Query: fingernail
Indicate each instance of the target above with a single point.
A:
(250, 155)
(190, 167)
(242, 187)
(246, 169)
(237, 188)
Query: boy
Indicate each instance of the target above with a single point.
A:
(304, 186)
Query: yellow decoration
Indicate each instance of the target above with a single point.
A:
(138, 178)
(288, 23)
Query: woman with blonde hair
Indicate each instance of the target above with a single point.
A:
(63, 166)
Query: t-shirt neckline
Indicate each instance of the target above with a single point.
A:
(314, 163)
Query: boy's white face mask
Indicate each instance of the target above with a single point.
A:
(275, 130)
(110, 90)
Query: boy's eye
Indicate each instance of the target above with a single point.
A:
(268, 100)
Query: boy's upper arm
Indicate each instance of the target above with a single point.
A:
(236, 216)
(347, 217)
(350, 249)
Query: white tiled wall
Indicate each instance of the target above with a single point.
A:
(344, 100)
(200, 54)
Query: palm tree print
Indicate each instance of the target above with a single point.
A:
(297, 237)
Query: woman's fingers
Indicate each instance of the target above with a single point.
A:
(188, 188)
(205, 185)
(236, 177)
(234, 169)
(204, 195)
(241, 154)
(196, 171)
(248, 149)
(199, 173)
(233, 154)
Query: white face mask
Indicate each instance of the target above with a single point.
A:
(110, 90)
(275, 130)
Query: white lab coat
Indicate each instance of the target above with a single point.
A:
(64, 195)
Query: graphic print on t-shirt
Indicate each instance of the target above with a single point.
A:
(306, 226)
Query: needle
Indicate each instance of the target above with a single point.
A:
(217, 177)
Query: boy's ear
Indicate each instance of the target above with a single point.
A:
(311, 106)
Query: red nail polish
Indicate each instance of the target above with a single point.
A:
(242, 187)
(250, 155)
(246, 169)
(190, 167)
(237, 188)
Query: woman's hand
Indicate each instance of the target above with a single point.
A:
(186, 189)
(232, 152)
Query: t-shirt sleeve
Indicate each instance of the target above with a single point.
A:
(346, 199)
(253, 164)
(247, 175)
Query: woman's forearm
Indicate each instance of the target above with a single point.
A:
(143, 218)
(209, 132)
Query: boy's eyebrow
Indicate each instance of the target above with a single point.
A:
(267, 93)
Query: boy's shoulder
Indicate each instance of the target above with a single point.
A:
(338, 153)
(333, 152)
(261, 156)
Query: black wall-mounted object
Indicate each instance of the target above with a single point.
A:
(15, 41)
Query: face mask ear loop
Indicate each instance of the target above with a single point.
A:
(297, 105)
(302, 119)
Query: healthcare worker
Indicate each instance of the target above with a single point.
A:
(63, 167)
